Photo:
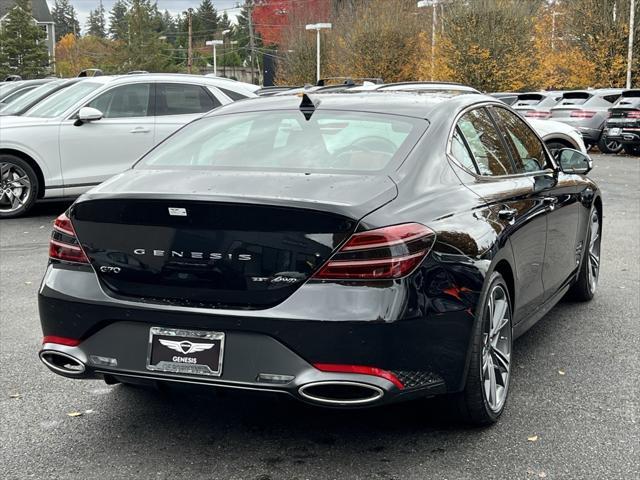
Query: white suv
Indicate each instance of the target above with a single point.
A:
(84, 134)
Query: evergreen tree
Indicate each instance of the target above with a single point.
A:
(65, 19)
(168, 27)
(145, 49)
(24, 51)
(205, 20)
(118, 23)
(96, 24)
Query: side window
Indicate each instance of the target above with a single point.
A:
(485, 144)
(124, 101)
(529, 153)
(460, 151)
(183, 99)
(232, 95)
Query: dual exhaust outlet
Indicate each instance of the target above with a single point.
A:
(328, 392)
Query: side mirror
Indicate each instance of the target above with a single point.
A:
(573, 161)
(88, 114)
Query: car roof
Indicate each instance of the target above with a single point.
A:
(412, 104)
(159, 77)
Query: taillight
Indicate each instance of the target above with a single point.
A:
(70, 342)
(537, 114)
(383, 253)
(64, 244)
(582, 113)
(633, 114)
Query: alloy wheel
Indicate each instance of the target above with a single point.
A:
(593, 259)
(613, 145)
(496, 351)
(15, 187)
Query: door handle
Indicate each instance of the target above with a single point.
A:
(550, 202)
(507, 213)
(140, 130)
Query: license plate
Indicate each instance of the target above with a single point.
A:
(614, 131)
(190, 352)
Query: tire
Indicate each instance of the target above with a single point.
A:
(608, 146)
(554, 146)
(632, 150)
(18, 186)
(479, 403)
(584, 288)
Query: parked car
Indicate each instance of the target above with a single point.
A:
(587, 110)
(537, 104)
(29, 99)
(350, 250)
(556, 135)
(509, 98)
(11, 91)
(82, 135)
(623, 124)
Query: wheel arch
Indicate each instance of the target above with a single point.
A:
(32, 163)
(563, 140)
(504, 268)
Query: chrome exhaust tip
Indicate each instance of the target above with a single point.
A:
(62, 362)
(340, 393)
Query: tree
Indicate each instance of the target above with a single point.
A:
(118, 24)
(144, 49)
(366, 43)
(488, 43)
(65, 19)
(96, 24)
(601, 28)
(205, 20)
(24, 50)
(76, 54)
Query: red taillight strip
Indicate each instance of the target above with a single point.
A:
(381, 261)
(361, 370)
(382, 243)
(61, 229)
(65, 245)
(69, 342)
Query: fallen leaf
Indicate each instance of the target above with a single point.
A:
(542, 475)
(27, 283)
(88, 411)
(15, 395)
(75, 414)
(533, 438)
(561, 372)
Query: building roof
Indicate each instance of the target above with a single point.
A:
(39, 9)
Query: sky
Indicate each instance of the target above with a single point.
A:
(83, 7)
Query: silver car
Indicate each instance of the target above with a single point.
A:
(537, 104)
(588, 110)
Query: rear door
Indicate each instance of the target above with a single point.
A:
(178, 104)
(557, 194)
(512, 205)
(94, 151)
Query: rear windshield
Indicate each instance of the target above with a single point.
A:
(575, 98)
(285, 140)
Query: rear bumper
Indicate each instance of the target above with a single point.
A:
(427, 351)
(626, 136)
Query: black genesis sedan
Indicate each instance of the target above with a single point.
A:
(348, 250)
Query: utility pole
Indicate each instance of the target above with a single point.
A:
(632, 26)
(189, 47)
(249, 6)
(434, 18)
(317, 27)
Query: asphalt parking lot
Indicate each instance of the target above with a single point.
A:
(573, 410)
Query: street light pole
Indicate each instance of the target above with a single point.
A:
(632, 26)
(433, 4)
(317, 27)
(215, 60)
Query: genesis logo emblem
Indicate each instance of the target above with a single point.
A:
(177, 212)
(185, 347)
